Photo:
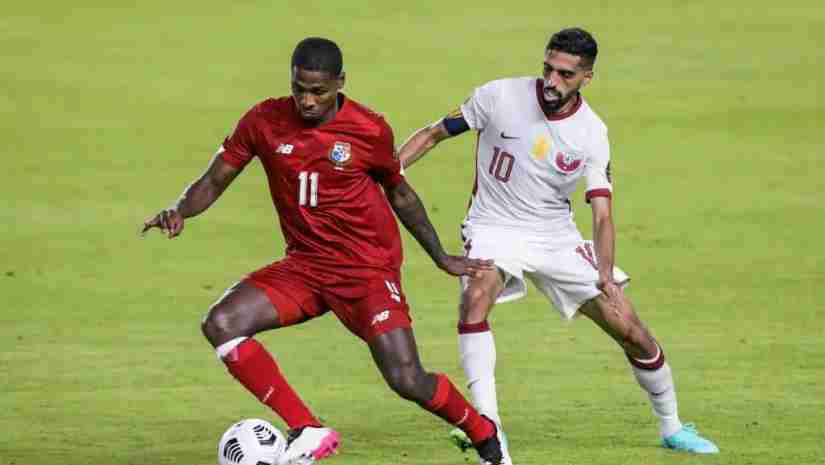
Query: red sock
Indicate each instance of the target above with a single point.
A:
(252, 365)
(450, 405)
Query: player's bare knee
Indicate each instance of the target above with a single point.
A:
(219, 324)
(408, 383)
(402, 384)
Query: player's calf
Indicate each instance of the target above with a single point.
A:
(618, 319)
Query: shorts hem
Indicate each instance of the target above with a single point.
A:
(276, 299)
(511, 297)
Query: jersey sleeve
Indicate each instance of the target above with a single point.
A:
(386, 167)
(597, 167)
(478, 109)
(238, 149)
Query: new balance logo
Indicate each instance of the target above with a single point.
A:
(395, 294)
(463, 418)
(378, 318)
(285, 149)
(268, 394)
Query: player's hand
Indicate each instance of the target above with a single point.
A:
(169, 221)
(463, 266)
(609, 288)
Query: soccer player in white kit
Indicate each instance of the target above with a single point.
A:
(536, 138)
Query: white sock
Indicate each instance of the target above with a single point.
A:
(662, 394)
(223, 350)
(478, 358)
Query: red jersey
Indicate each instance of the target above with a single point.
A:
(325, 181)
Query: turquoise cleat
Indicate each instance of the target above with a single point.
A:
(687, 439)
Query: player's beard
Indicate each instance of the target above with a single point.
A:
(552, 106)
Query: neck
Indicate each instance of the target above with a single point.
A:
(330, 114)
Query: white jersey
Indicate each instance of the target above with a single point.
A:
(528, 163)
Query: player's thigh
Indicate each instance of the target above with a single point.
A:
(370, 306)
(293, 291)
(507, 249)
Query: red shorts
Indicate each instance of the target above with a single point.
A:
(367, 302)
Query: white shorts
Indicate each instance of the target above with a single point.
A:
(563, 268)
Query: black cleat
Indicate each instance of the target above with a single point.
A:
(490, 450)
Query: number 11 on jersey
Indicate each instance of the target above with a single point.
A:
(303, 177)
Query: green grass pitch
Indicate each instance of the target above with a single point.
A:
(107, 112)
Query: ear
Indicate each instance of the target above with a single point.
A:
(588, 76)
(342, 80)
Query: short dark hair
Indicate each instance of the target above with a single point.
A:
(575, 41)
(317, 54)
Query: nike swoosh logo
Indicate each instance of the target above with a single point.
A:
(504, 136)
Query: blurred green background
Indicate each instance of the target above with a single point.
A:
(108, 111)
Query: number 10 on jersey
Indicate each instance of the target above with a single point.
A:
(308, 188)
(501, 165)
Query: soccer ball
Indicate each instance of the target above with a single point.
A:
(251, 442)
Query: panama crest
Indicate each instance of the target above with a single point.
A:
(340, 154)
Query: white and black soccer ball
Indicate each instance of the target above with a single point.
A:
(251, 442)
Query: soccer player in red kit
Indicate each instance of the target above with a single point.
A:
(335, 181)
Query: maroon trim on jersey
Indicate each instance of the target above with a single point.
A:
(556, 116)
(597, 193)
(469, 328)
(650, 365)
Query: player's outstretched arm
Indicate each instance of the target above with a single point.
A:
(421, 142)
(196, 198)
(411, 212)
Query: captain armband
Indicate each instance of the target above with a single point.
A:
(455, 123)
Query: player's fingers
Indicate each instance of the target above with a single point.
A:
(612, 291)
(481, 265)
(177, 227)
(149, 224)
(476, 271)
(169, 224)
(458, 269)
(164, 221)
